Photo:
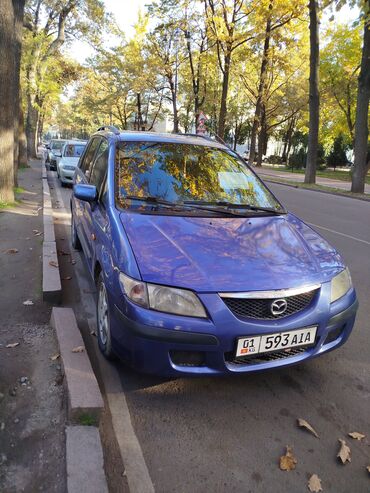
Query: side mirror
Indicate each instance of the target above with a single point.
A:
(88, 193)
(47, 147)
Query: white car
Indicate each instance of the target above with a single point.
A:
(70, 155)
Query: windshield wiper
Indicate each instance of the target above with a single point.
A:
(231, 205)
(155, 201)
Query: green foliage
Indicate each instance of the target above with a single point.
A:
(337, 155)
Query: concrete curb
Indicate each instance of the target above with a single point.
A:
(296, 185)
(84, 397)
(85, 463)
(51, 284)
(84, 451)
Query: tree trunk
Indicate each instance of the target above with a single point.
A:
(7, 101)
(314, 101)
(362, 113)
(139, 114)
(225, 89)
(174, 105)
(288, 141)
(261, 88)
(18, 6)
(22, 141)
(31, 128)
(262, 138)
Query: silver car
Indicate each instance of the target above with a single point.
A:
(53, 152)
(67, 162)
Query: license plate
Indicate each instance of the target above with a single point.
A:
(248, 346)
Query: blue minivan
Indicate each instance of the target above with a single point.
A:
(199, 269)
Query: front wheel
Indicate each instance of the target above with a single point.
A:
(103, 320)
(74, 235)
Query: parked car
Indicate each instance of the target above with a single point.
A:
(70, 155)
(199, 268)
(53, 152)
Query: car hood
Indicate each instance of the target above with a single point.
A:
(209, 254)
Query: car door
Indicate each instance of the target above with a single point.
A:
(82, 177)
(95, 213)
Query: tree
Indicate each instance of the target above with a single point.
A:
(314, 98)
(362, 111)
(11, 17)
(228, 30)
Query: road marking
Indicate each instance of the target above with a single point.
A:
(340, 234)
(137, 472)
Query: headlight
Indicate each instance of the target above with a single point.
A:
(162, 298)
(340, 284)
(173, 300)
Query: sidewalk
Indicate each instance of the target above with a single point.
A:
(32, 413)
(299, 177)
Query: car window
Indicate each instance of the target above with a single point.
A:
(88, 158)
(185, 172)
(100, 165)
(74, 150)
(57, 144)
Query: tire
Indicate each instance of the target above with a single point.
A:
(103, 320)
(74, 236)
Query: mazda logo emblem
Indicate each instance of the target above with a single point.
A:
(278, 307)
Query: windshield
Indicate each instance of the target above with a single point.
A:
(179, 173)
(57, 144)
(74, 150)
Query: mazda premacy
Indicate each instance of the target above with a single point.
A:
(199, 269)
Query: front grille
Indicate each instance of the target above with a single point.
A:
(263, 358)
(260, 308)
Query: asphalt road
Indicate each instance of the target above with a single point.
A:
(227, 434)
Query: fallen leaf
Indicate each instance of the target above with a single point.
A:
(54, 357)
(61, 252)
(304, 424)
(62, 238)
(78, 349)
(38, 234)
(28, 302)
(288, 461)
(368, 469)
(73, 262)
(314, 484)
(93, 333)
(53, 263)
(12, 345)
(356, 435)
(11, 250)
(68, 278)
(344, 453)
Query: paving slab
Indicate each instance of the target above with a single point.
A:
(85, 463)
(84, 396)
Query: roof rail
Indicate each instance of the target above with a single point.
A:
(112, 128)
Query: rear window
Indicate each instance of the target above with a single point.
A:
(57, 144)
(74, 150)
(184, 172)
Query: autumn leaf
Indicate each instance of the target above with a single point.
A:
(304, 424)
(53, 263)
(344, 453)
(78, 349)
(288, 461)
(11, 250)
(368, 469)
(55, 357)
(314, 484)
(68, 278)
(93, 333)
(356, 435)
(12, 345)
(28, 302)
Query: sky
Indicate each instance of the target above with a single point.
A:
(126, 13)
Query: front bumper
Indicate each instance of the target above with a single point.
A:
(144, 339)
(66, 176)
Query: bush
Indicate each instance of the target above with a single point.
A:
(337, 155)
(274, 159)
(297, 160)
